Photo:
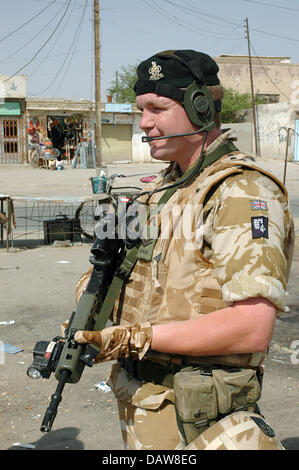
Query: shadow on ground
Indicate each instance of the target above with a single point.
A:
(62, 439)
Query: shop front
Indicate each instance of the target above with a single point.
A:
(11, 123)
(64, 124)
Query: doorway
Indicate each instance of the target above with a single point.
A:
(10, 139)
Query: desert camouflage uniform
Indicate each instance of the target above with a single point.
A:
(238, 431)
(238, 246)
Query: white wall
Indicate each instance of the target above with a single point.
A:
(140, 150)
(244, 134)
(271, 118)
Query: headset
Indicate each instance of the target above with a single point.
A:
(198, 102)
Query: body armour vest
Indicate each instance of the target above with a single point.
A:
(179, 282)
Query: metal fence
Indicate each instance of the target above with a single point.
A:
(39, 221)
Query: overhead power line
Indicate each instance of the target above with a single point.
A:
(74, 43)
(266, 72)
(196, 12)
(274, 35)
(46, 57)
(27, 22)
(32, 39)
(225, 20)
(45, 43)
(181, 22)
(207, 14)
(271, 5)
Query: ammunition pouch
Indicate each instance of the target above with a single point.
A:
(205, 396)
(196, 401)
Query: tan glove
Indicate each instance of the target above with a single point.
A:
(118, 341)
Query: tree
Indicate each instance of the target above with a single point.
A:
(234, 103)
(121, 88)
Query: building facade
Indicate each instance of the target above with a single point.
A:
(13, 94)
(274, 78)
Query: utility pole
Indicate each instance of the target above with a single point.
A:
(98, 123)
(252, 90)
(116, 83)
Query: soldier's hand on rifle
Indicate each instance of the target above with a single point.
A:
(118, 341)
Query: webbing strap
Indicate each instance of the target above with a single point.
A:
(121, 276)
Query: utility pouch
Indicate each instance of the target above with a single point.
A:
(196, 401)
(236, 389)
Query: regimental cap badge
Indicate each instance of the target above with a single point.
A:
(155, 72)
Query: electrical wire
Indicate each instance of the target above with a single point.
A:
(74, 43)
(230, 22)
(274, 35)
(45, 43)
(205, 13)
(271, 5)
(3, 61)
(185, 25)
(59, 54)
(180, 7)
(49, 52)
(197, 12)
(27, 22)
(266, 73)
(221, 40)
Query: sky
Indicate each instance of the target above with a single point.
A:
(51, 41)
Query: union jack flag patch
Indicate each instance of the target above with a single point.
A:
(257, 204)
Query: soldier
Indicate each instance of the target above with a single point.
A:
(197, 309)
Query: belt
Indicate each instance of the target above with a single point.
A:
(162, 373)
(151, 370)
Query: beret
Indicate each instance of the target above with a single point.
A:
(166, 72)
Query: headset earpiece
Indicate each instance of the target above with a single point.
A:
(199, 106)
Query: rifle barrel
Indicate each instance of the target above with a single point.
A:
(51, 411)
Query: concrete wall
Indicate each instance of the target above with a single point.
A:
(244, 134)
(272, 121)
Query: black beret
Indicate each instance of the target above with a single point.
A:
(166, 72)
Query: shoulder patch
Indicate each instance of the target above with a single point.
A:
(258, 204)
(259, 227)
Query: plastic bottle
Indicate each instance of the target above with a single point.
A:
(102, 182)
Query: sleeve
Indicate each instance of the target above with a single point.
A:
(250, 242)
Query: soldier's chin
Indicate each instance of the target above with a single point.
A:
(159, 153)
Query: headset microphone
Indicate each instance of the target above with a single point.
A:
(150, 139)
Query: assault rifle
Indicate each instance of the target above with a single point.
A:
(63, 355)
